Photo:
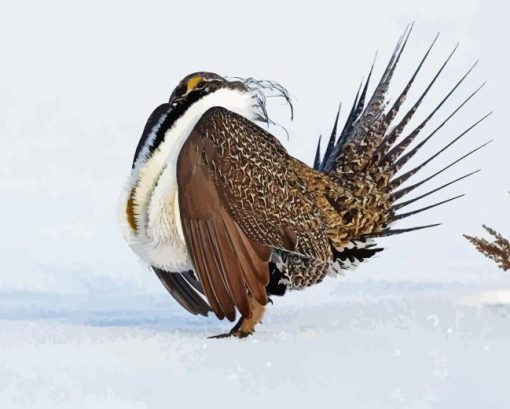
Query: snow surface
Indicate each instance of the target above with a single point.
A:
(375, 345)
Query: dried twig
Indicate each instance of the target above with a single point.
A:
(497, 250)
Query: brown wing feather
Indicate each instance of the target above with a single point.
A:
(240, 196)
(196, 256)
(226, 262)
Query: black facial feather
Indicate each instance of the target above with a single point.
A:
(164, 117)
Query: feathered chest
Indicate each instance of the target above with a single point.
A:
(152, 211)
(149, 214)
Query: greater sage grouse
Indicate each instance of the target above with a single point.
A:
(226, 217)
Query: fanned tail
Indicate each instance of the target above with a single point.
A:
(369, 152)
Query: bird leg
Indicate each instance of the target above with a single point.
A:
(246, 326)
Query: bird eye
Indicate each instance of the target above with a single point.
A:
(194, 83)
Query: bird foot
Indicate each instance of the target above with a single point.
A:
(245, 326)
(237, 334)
(236, 331)
(242, 334)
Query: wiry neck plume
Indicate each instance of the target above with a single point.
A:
(261, 90)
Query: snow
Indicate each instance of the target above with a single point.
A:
(360, 346)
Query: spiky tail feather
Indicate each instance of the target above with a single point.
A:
(366, 156)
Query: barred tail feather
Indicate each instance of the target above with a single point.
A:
(317, 160)
(392, 232)
(388, 140)
(387, 162)
(412, 213)
(367, 156)
(404, 159)
(400, 205)
(362, 116)
(400, 193)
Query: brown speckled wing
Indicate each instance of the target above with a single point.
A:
(240, 197)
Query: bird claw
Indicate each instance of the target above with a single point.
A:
(226, 335)
(242, 334)
(237, 334)
(236, 331)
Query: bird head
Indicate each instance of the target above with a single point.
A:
(199, 91)
(200, 84)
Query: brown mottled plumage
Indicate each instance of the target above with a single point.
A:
(257, 221)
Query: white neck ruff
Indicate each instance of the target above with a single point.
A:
(159, 239)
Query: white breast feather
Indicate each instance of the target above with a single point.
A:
(159, 239)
